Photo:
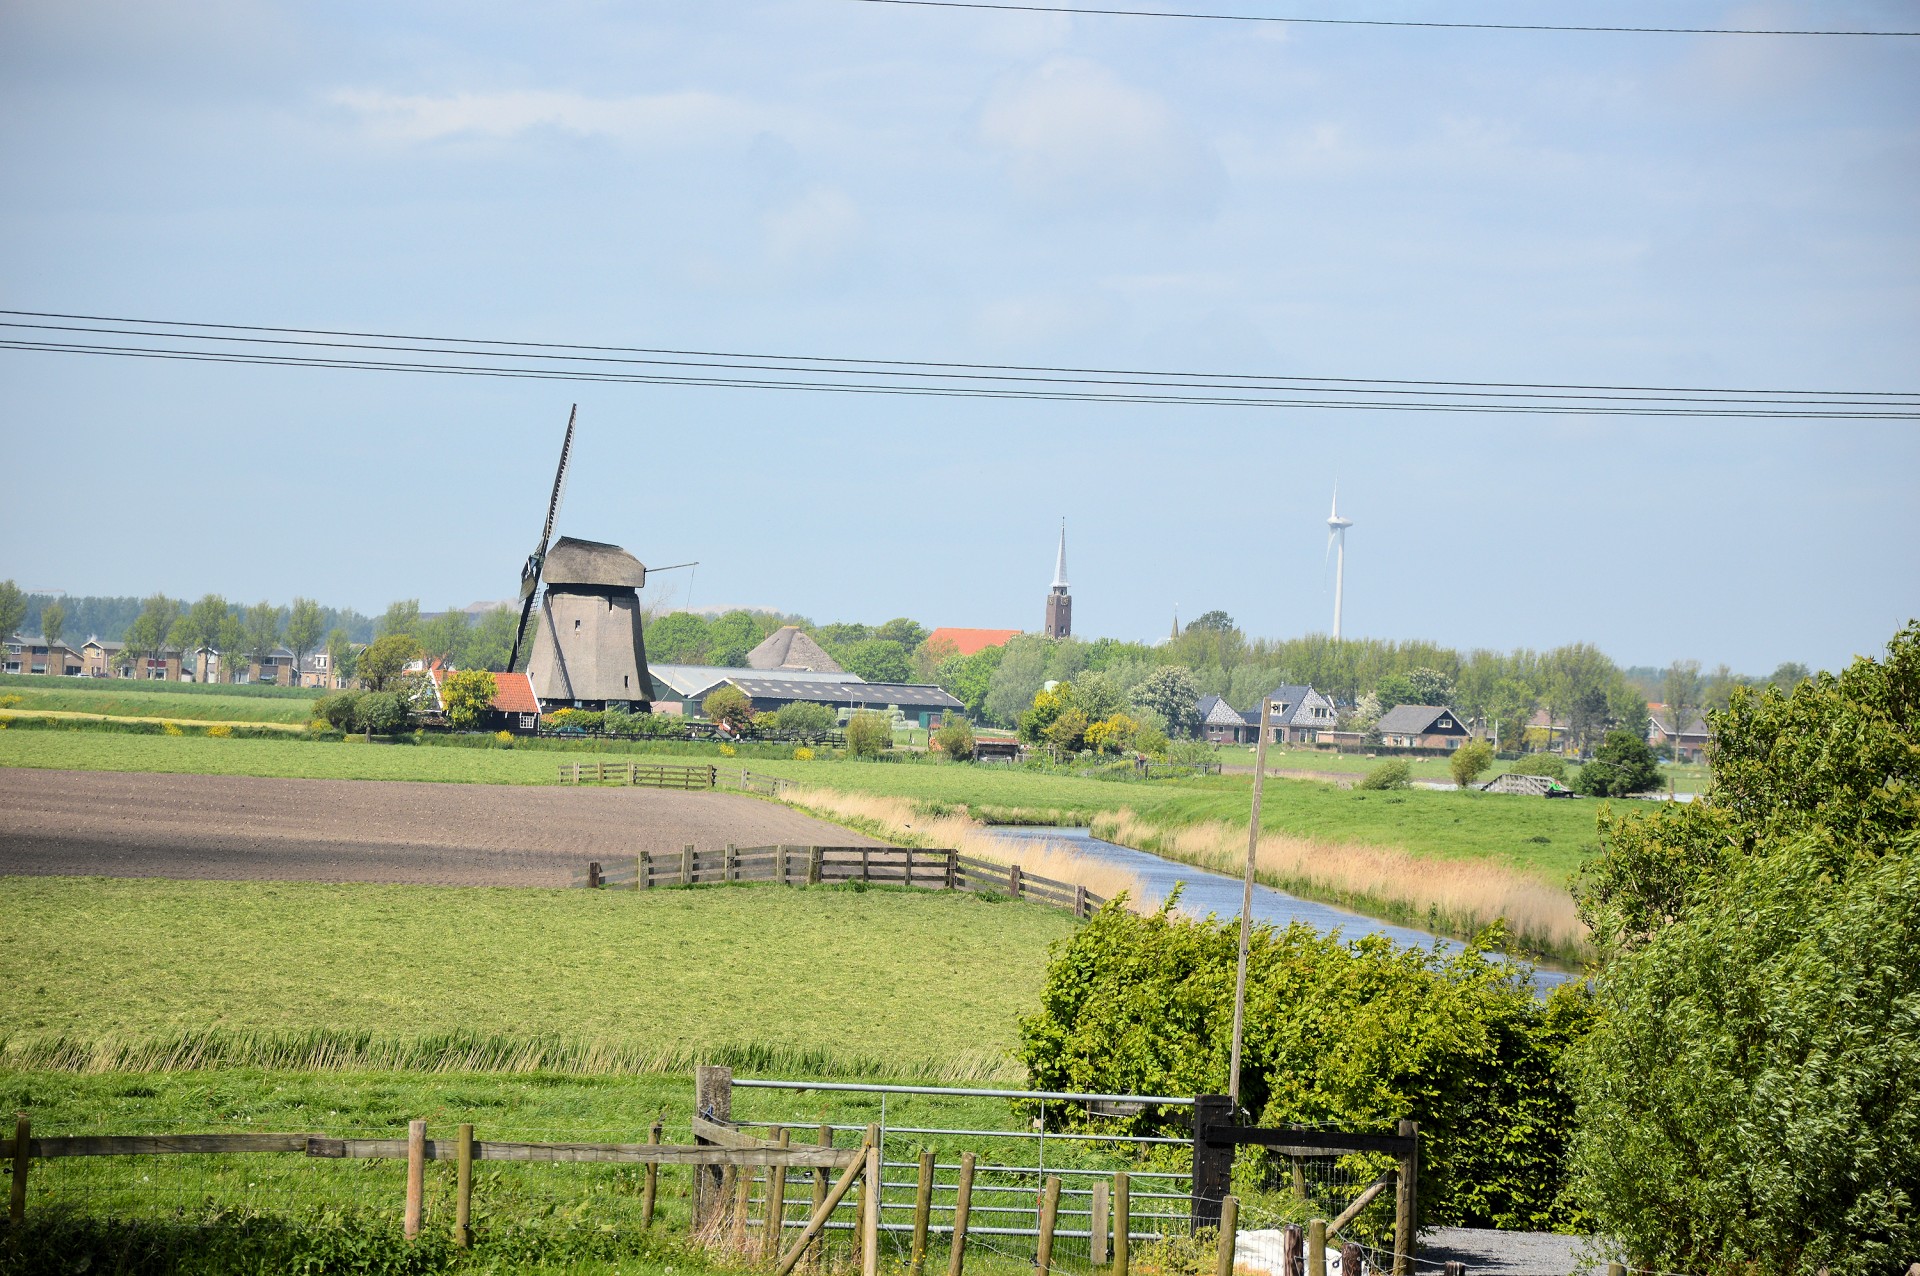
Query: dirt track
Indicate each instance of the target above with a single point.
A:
(131, 824)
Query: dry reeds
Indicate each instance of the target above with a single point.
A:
(1453, 896)
(899, 820)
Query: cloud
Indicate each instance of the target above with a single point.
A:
(662, 119)
(818, 227)
(1076, 136)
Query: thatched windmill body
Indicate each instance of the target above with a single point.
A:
(588, 649)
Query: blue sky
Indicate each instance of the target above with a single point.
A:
(826, 177)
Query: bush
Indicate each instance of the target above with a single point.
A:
(1396, 774)
(339, 710)
(381, 713)
(1623, 764)
(1551, 765)
(576, 719)
(1353, 1035)
(220, 731)
(803, 716)
(955, 739)
(869, 734)
(729, 705)
(803, 755)
(468, 697)
(1469, 761)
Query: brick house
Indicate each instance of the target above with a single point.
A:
(1422, 726)
(27, 654)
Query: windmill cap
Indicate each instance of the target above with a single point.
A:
(578, 562)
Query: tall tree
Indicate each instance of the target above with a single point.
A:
(402, 617)
(1683, 690)
(231, 642)
(201, 625)
(490, 642)
(1171, 693)
(13, 609)
(147, 635)
(263, 633)
(444, 637)
(304, 628)
(342, 658)
(53, 626)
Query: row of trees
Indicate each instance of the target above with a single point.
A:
(109, 616)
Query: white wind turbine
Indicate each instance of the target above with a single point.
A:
(1337, 535)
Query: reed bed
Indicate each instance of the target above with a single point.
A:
(1449, 896)
(330, 1050)
(902, 820)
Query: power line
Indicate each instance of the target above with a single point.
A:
(338, 349)
(1368, 22)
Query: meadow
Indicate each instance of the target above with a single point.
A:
(134, 698)
(245, 973)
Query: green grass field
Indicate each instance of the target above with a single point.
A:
(1687, 777)
(129, 698)
(891, 979)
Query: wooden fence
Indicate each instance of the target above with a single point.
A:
(817, 865)
(657, 775)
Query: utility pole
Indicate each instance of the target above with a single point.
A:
(1246, 897)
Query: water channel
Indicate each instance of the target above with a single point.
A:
(1216, 893)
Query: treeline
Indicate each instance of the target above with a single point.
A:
(109, 617)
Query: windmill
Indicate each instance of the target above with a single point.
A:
(536, 561)
(1337, 534)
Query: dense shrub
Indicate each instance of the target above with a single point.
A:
(339, 710)
(803, 716)
(1469, 761)
(381, 713)
(1394, 774)
(1551, 765)
(576, 719)
(1352, 1035)
(1622, 765)
(729, 705)
(955, 739)
(869, 733)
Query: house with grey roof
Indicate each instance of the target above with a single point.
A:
(1298, 716)
(1221, 723)
(1422, 726)
(681, 688)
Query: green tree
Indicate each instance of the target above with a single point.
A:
(804, 715)
(1789, 675)
(202, 624)
(343, 659)
(382, 663)
(444, 637)
(955, 739)
(1172, 693)
(678, 639)
(382, 712)
(304, 629)
(1429, 686)
(468, 697)
(1096, 695)
(53, 626)
(969, 677)
(1470, 761)
(147, 635)
(869, 734)
(730, 637)
(401, 617)
(729, 705)
(490, 641)
(263, 632)
(1020, 675)
(875, 659)
(231, 642)
(1215, 622)
(1683, 690)
(902, 633)
(1551, 765)
(1396, 689)
(13, 609)
(1114, 733)
(1068, 731)
(1624, 764)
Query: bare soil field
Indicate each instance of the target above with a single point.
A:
(133, 824)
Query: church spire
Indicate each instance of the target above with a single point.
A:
(1060, 566)
(1059, 603)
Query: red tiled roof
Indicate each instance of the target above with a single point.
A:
(513, 693)
(968, 641)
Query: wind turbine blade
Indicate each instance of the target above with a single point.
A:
(1329, 555)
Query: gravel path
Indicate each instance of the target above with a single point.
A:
(1504, 1253)
(132, 824)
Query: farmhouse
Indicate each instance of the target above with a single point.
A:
(1688, 745)
(1422, 726)
(1299, 715)
(681, 688)
(37, 655)
(1221, 723)
(514, 706)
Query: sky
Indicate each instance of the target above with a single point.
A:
(881, 181)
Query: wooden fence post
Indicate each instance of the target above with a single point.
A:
(1317, 1248)
(22, 1142)
(815, 855)
(730, 864)
(416, 1178)
(712, 1101)
(870, 1211)
(463, 1189)
(1049, 1212)
(817, 1221)
(742, 1201)
(777, 1199)
(1013, 880)
(1123, 1223)
(962, 1210)
(1454, 1268)
(1212, 1164)
(643, 871)
(593, 874)
(1613, 1269)
(1097, 1241)
(953, 870)
(686, 865)
(1229, 1233)
(1299, 1178)
(1293, 1249)
(650, 1188)
(1350, 1259)
(1406, 1201)
(1079, 902)
(922, 1208)
(820, 1189)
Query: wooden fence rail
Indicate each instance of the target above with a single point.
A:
(657, 775)
(815, 865)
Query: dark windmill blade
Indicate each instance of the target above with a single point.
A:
(530, 573)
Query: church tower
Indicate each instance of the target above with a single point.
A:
(1059, 602)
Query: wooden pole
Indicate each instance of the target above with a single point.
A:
(962, 1209)
(777, 1198)
(1613, 1269)
(1293, 1249)
(922, 1208)
(1229, 1233)
(686, 865)
(814, 857)
(730, 864)
(1299, 1178)
(870, 1211)
(1049, 1212)
(1246, 899)
(1406, 1202)
(416, 1177)
(1317, 1248)
(1454, 1268)
(1123, 1223)
(22, 1142)
(1013, 880)
(1097, 1241)
(651, 1186)
(463, 1189)
(820, 1185)
(742, 1200)
(712, 1101)
(818, 1219)
(1350, 1259)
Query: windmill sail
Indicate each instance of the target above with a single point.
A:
(530, 572)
